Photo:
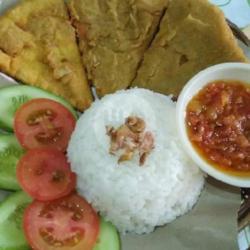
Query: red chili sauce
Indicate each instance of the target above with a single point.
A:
(218, 123)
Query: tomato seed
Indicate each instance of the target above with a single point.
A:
(58, 176)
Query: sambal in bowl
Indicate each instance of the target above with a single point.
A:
(213, 117)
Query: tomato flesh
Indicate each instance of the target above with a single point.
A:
(45, 174)
(44, 123)
(69, 223)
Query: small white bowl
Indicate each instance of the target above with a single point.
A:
(225, 71)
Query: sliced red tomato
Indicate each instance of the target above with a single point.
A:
(44, 123)
(45, 174)
(69, 223)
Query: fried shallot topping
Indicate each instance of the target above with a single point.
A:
(130, 138)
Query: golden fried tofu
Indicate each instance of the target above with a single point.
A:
(38, 47)
(193, 35)
(113, 36)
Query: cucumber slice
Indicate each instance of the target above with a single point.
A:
(12, 97)
(10, 153)
(108, 238)
(11, 220)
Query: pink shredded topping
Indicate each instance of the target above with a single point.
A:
(130, 138)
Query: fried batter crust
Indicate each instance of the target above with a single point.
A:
(113, 36)
(38, 47)
(193, 35)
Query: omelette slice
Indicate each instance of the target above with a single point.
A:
(193, 35)
(113, 36)
(38, 47)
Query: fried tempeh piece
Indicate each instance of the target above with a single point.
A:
(38, 47)
(113, 36)
(193, 35)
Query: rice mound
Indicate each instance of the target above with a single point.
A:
(135, 199)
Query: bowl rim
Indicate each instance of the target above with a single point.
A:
(182, 102)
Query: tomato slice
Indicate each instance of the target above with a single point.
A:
(69, 223)
(45, 174)
(44, 123)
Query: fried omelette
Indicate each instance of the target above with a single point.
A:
(38, 47)
(193, 35)
(113, 36)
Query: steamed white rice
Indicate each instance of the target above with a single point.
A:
(135, 199)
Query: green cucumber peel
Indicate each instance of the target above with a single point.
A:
(14, 96)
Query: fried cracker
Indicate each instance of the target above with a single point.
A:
(38, 47)
(193, 35)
